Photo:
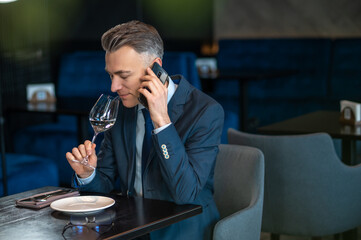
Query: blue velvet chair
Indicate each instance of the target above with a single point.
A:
(26, 172)
(238, 192)
(182, 63)
(82, 74)
(308, 190)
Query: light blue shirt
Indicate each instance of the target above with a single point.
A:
(140, 129)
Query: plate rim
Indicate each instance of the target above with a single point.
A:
(112, 202)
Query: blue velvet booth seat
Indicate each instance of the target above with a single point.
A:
(52, 141)
(346, 69)
(26, 172)
(82, 74)
(276, 99)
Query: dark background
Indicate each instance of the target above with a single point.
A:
(34, 34)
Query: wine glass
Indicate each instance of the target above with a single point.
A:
(102, 117)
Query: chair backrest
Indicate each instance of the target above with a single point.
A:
(183, 63)
(238, 183)
(307, 187)
(82, 74)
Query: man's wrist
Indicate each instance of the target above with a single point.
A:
(85, 175)
(158, 130)
(87, 180)
(162, 123)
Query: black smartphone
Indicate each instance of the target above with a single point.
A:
(162, 76)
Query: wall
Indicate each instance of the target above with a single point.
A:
(35, 33)
(24, 47)
(287, 18)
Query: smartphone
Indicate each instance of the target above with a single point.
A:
(162, 76)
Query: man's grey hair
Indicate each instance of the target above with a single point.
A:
(143, 38)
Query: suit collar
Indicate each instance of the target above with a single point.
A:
(175, 106)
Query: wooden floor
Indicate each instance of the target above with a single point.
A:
(266, 236)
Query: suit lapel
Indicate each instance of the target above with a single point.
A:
(175, 105)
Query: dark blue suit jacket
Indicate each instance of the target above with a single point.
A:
(180, 167)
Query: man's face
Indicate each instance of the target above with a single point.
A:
(125, 67)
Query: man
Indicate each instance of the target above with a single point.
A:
(187, 129)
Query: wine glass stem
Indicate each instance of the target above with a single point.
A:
(86, 159)
(94, 137)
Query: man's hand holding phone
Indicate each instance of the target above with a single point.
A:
(156, 94)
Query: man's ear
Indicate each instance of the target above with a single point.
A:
(159, 61)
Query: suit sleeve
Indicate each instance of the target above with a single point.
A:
(186, 164)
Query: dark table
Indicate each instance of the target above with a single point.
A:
(75, 106)
(320, 121)
(243, 77)
(126, 219)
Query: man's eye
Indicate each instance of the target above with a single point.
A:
(124, 77)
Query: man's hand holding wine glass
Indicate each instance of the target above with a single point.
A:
(102, 117)
(78, 154)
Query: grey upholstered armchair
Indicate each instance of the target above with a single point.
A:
(308, 190)
(238, 183)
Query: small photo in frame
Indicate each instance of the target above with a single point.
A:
(40, 93)
(350, 112)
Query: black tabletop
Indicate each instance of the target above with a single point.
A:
(126, 219)
(320, 121)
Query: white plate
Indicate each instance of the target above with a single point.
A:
(82, 204)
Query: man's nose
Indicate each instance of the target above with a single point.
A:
(116, 85)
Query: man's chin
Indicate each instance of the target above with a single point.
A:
(129, 104)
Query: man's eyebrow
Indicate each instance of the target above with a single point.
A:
(120, 72)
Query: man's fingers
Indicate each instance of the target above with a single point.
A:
(76, 153)
(82, 150)
(70, 157)
(150, 72)
(93, 160)
(89, 147)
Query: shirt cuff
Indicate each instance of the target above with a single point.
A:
(84, 181)
(158, 130)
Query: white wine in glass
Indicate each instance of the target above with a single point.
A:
(102, 117)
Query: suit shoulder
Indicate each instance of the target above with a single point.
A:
(201, 102)
(194, 99)
(198, 95)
